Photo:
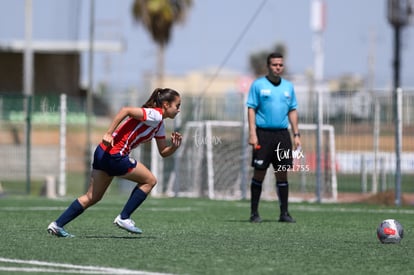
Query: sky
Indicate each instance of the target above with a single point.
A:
(222, 34)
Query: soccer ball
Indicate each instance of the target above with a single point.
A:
(390, 231)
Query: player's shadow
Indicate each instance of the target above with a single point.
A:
(116, 237)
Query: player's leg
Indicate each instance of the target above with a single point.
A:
(145, 182)
(98, 184)
(261, 158)
(281, 166)
(255, 193)
(282, 190)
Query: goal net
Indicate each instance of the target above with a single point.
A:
(214, 162)
(208, 163)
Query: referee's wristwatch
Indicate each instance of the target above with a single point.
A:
(296, 135)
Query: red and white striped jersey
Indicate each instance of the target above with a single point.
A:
(134, 132)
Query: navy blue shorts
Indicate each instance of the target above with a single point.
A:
(113, 165)
(275, 149)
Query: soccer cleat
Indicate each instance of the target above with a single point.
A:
(285, 217)
(58, 231)
(255, 218)
(127, 224)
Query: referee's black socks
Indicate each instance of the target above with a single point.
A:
(255, 192)
(282, 189)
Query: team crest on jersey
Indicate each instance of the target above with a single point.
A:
(287, 94)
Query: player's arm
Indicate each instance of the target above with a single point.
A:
(167, 150)
(134, 112)
(293, 119)
(251, 118)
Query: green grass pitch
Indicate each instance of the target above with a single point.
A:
(198, 236)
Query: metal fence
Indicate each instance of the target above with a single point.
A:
(363, 122)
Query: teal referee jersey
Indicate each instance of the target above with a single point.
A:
(271, 103)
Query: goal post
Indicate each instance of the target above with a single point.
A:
(330, 130)
(210, 163)
(212, 139)
(302, 177)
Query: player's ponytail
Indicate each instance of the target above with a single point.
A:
(159, 96)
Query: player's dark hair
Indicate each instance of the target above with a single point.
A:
(159, 96)
(273, 55)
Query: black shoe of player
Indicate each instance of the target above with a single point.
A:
(285, 217)
(255, 218)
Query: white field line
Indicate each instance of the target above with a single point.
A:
(33, 208)
(68, 268)
(48, 270)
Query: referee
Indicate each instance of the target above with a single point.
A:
(271, 107)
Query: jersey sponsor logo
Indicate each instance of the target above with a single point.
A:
(265, 92)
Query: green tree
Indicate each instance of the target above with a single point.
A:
(158, 18)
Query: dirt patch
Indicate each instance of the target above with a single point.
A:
(388, 198)
(383, 198)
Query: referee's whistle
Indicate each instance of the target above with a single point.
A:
(257, 147)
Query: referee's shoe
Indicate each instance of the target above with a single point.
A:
(285, 217)
(255, 218)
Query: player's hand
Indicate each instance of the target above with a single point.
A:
(108, 140)
(254, 142)
(297, 143)
(176, 139)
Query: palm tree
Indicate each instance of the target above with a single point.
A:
(158, 17)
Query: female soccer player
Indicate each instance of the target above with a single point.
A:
(111, 158)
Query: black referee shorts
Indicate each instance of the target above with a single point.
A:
(275, 148)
